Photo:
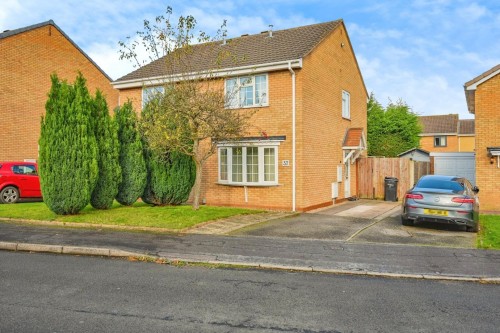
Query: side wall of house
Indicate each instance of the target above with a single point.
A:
(427, 143)
(328, 70)
(488, 135)
(28, 60)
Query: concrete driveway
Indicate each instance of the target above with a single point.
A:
(362, 221)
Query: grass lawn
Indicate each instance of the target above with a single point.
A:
(489, 236)
(139, 214)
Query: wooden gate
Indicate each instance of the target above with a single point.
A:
(371, 172)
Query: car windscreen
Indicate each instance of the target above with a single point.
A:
(440, 184)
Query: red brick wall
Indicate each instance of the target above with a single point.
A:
(27, 61)
(488, 135)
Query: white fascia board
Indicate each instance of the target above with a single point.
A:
(226, 72)
(484, 79)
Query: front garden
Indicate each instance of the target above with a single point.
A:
(137, 215)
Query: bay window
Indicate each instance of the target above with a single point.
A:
(248, 165)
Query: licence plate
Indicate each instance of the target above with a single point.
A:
(436, 212)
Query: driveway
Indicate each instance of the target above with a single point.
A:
(361, 221)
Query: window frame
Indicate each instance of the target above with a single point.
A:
(346, 105)
(238, 85)
(441, 139)
(228, 148)
(147, 95)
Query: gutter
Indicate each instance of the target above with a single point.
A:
(235, 71)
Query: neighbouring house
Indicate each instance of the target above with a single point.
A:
(309, 126)
(416, 154)
(447, 133)
(482, 94)
(28, 57)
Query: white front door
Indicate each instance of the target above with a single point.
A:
(347, 180)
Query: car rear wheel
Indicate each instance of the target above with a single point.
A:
(405, 221)
(10, 194)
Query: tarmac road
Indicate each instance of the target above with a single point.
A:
(54, 293)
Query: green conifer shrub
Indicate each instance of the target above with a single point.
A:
(68, 151)
(106, 135)
(170, 178)
(131, 158)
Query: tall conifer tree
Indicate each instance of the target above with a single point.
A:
(68, 150)
(133, 166)
(106, 135)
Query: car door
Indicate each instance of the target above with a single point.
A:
(26, 176)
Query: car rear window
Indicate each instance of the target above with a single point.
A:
(440, 184)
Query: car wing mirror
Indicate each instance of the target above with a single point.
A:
(475, 189)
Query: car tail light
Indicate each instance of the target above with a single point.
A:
(463, 200)
(414, 196)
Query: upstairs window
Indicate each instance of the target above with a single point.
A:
(150, 92)
(246, 91)
(346, 105)
(440, 141)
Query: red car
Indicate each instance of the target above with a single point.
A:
(18, 180)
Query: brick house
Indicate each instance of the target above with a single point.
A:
(28, 57)
(483, 100)
(309, 126)
(447, 133)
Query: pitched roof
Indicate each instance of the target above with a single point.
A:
(10, 33)
(284, 45)
(353, 138)
(466, 127)
(439, 124)
(470, 86)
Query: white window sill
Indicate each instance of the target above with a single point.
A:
(248, 184)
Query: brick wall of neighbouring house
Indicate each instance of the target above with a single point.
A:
(330, 69)
(27, 61)
(427, 143)
(466, 143)
(487, 115)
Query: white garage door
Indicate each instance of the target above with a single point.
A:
(455, 164)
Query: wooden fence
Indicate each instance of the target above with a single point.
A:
(372, 171)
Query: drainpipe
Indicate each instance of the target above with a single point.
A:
(293, 136)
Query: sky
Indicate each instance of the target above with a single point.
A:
(419, 51)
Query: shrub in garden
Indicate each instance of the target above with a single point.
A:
(170, 178)
(106, 135)
(131, 158)
(68, 150)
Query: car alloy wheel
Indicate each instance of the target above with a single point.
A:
(9, 195)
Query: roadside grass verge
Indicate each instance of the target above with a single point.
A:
(489, 236)
(139, 214)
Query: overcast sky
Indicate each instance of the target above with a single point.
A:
(421, 51)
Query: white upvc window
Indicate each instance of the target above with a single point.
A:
(246, 91)
(252, 165)
(149, 92)
(346, 105)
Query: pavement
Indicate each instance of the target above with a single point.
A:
(349, 254)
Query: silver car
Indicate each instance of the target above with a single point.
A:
(442, 199)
